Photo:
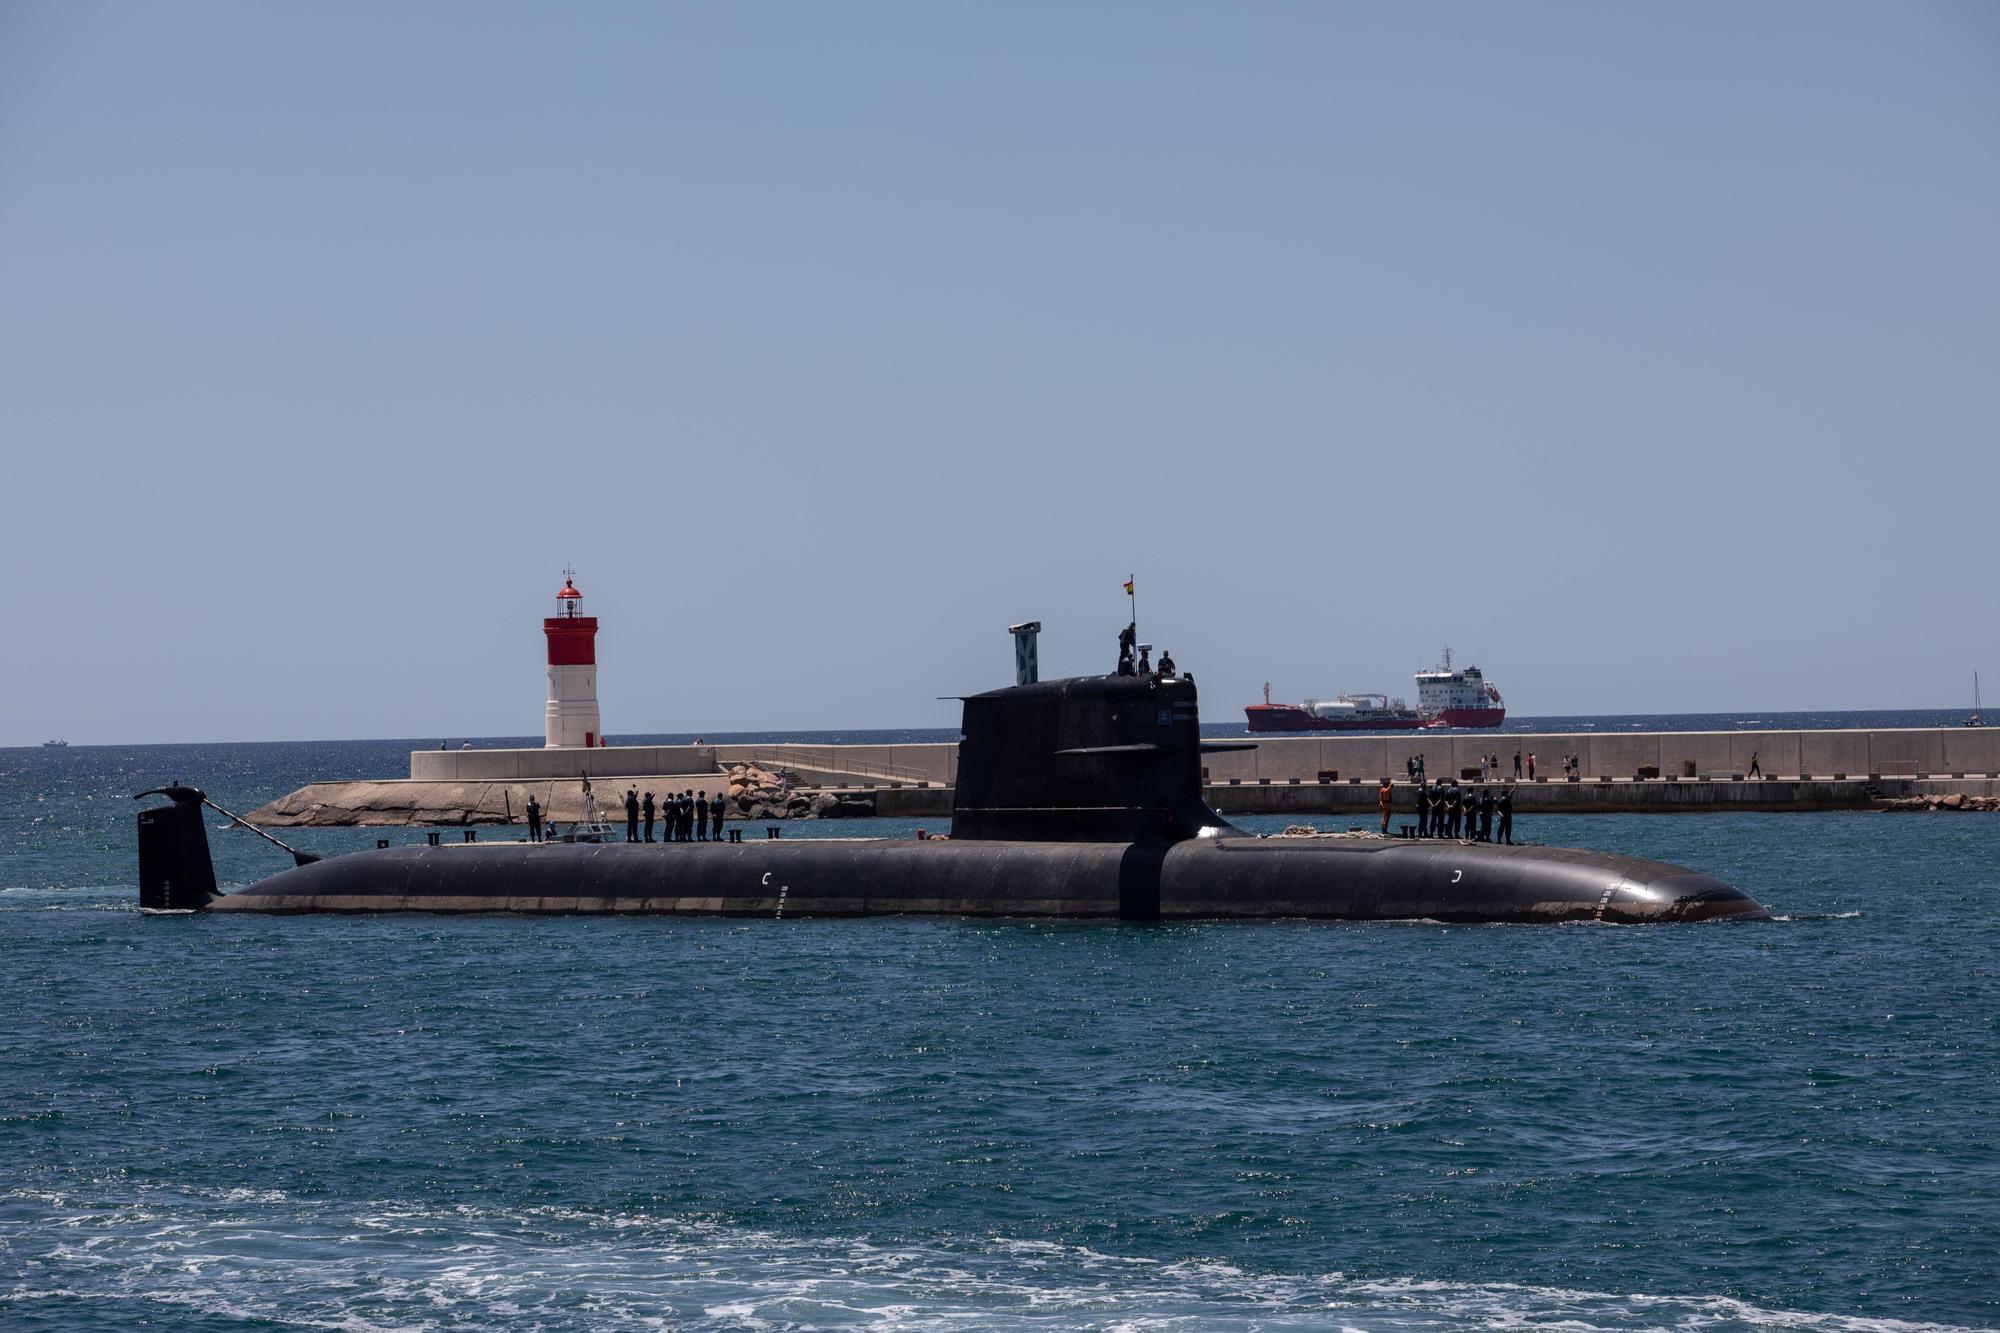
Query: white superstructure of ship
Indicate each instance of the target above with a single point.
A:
(1458, 697)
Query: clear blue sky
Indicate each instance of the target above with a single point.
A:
(1647, 354)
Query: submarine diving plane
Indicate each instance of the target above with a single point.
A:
(1075, 798)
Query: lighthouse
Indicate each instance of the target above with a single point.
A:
(572, 717)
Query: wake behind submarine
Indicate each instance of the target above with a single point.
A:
(1075, 798)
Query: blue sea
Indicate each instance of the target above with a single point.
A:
(576, 1123)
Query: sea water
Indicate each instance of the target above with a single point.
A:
(570, 1123)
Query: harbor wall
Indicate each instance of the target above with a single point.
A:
(452, 804)
(1932, 751)
(1935, 751)
(1304, 775)
(901, 764)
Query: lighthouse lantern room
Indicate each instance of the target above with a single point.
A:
(572, 716)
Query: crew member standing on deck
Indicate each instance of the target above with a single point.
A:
(715, 812)
(1507, 815)
(646, 809)
(1385, 798)
(632, 814)
(534, 819)
(1454, 805)
(701, 816)
(687, 815)
(1486, 814)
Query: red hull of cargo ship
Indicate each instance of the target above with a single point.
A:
(1291, 717)
(1468, 717)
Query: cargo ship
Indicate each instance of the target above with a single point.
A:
(1446, 697)
(1345, 712)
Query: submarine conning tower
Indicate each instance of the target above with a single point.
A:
(1087, 759)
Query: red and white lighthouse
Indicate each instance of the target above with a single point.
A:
(572, 717)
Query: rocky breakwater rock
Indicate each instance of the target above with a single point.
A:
(758, 793)
(1955, 801)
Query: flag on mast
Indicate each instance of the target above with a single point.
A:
(1128, 587)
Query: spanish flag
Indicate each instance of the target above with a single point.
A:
(1128, 587)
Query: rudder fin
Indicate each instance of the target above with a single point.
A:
(176, 873)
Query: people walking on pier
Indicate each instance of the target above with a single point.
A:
(646, 809)
(701, 817)
(1531, 765)
(1385, 798)
(1486, 804)
(534, 819)
(1517, 765)
(632, 814)
(1507, 816)
(1755, 771)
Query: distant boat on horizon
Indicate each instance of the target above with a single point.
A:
(55, 745)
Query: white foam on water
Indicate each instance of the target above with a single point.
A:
(254, 1255)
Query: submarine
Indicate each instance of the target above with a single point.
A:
(1075, 798)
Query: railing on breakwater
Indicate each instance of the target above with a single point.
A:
(832, 759)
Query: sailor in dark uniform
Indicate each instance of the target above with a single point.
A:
(701, 817)
(1507, 815)
(1454, 805)
(646, 809)
(1486, 814)
(632, 814)
(687, 815)
(1423, 810)
(534, 819)
(715, 816)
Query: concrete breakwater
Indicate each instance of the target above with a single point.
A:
(1640, 771)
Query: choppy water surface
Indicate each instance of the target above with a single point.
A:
(913, 1124)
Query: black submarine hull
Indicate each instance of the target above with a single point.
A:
(1074, 798)
(1356, 879)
